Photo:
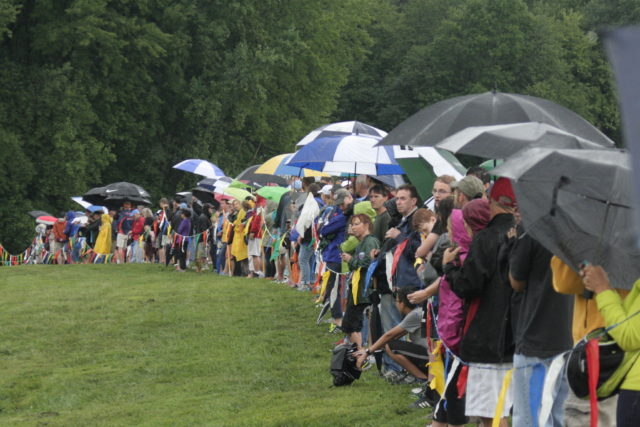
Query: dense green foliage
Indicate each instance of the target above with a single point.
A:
(99, 91)
(140, 345)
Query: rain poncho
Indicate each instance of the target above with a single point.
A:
(238, 246)
(103, 242)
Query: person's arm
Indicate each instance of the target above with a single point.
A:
(336, 224)
(427, 245)
(520, 262)
(392, 334)
(627, 333)
(422, 295)
(469, 280)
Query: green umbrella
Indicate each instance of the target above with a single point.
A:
(424, 164)
(272, 193)
(237, 193)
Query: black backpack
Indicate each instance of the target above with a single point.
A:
(343, 365)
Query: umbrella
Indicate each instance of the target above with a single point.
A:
(355, 154)
(434, 123)
(393, 181)
(577, 203)
(249, 175)
(622, 50)
(237, 193)
(200, 167)
(277, 165)
(37, 214)
(424, 164)
(272, 193)
(81, 202)
(183, 197)
(46, 219)
(342, 129)
(113, 195)
(502, 141)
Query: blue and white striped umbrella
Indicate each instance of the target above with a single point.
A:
(341, 129)
(200, 167)
(353, 154)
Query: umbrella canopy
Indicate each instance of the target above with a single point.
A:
(355, 154)
(183, 197)
(277, 165)
(200, 167)
(204, 194)
(113, 195)
(432, 124)
(272, 193)
(577, 203)
(342, 129)
(37, 214)
(46, 219)
(237, 193)
(424, 164)
(502, 141)
(249, 175)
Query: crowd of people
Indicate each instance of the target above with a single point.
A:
(450, 295)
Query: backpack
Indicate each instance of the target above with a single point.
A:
(343, 365)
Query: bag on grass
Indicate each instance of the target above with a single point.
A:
(343, 365)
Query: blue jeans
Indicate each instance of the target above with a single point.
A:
(305, 259)
(389, 317)
(520, 386)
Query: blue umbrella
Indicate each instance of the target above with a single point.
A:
(200, 167)
(354, 154)
(341, 129)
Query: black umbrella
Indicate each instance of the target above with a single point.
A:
(183, 197)
(434, 123)
(37, 214)
(577, 203)
(113, 195)
(249, 176)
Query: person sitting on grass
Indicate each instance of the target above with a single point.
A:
(411, 355)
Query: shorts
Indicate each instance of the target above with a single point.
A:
(450, 409)
(483, 390)
(201, 250)
(121, 241)
(353, 317)
(254, 248)
(417, 354)
(56, 247)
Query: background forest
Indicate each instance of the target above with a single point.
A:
(97, 91)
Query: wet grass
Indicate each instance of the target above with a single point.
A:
(142, 345)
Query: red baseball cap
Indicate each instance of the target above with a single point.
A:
(502, 193)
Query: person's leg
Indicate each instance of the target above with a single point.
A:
(628, 411)
(389, 317)
(332, 292)
(412, 357)
(304, 257)
(520, 383)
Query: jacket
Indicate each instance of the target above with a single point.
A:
(360, 260)
(489, 338)
(627, 333)
(336, 226)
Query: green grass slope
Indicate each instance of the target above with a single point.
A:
(142, 345)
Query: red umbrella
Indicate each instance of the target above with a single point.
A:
(45, 219)
(219, 197)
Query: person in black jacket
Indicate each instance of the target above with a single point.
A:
(483, 282)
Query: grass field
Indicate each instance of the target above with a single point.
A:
(142, 345)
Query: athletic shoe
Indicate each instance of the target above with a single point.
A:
(421, 403)
(393, 376)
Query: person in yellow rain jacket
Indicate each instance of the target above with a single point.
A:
(238, 245)
(103, 242)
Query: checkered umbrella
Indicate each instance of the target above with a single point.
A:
(342, 129)
(200, 167)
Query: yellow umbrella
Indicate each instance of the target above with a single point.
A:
(277, 165)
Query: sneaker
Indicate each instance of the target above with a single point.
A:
(368, 363)
(422, 403)
(334, 329)
(393, 376)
